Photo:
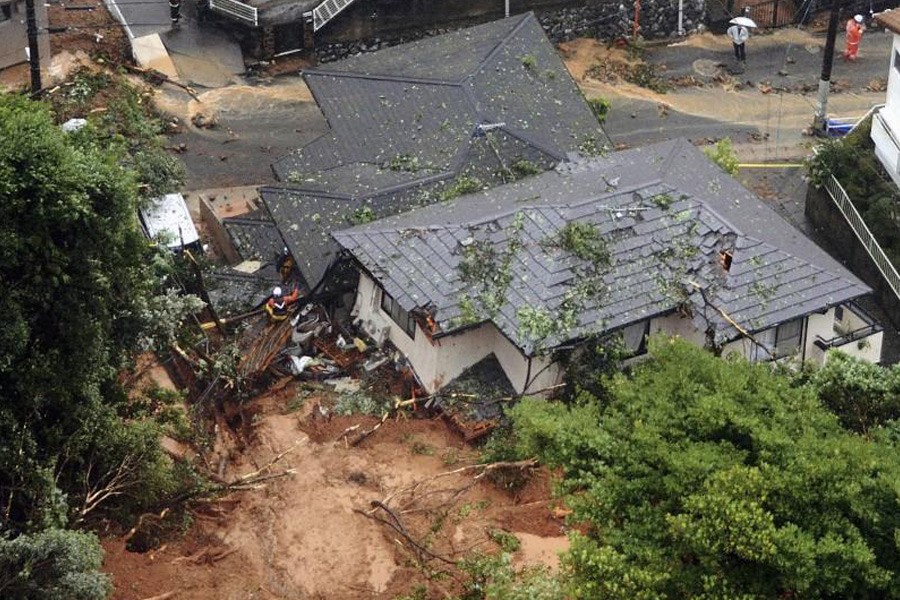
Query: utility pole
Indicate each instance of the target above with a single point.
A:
(507, 9)
(827, 62)
(34, 56)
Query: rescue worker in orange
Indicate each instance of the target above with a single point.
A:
(277, 306)
(855, 29)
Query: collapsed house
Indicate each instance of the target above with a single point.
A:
(650, 240)
(416, 124)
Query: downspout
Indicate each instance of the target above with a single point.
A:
(527, 378)
(803, 339)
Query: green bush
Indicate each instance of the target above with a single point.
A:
(55, 564)
(853, 162)
(700, 477)
(600, 107)
(722, 153)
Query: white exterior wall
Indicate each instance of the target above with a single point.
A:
(817, 325)
(438, 362)
(826, 327)
(822, 326)
(886, 121)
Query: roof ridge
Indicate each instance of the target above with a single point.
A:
(524, 18)
(376, 77)
(303, 191)
(522, 136)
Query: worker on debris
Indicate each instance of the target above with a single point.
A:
(285, 264)
(855, 29)
(277, 306)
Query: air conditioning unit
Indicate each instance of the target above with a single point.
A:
(379, 334)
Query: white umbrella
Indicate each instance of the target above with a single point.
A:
(745, 21)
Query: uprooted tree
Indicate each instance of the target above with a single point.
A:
(77, 284)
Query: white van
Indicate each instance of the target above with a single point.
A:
(167, 220)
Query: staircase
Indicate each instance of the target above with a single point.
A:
(328, 10)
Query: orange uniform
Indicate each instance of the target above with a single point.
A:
(854, 36)
(277, 306)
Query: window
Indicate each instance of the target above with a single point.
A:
(5, 12)
(787, 338)
(635, 338)
(838, 313)
(401, 317)
(777, 342)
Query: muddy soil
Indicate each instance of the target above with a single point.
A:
(307, 535)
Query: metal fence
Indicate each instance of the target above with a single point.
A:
(328, 10)
(842, 201)
(774, 13)
(236, 9)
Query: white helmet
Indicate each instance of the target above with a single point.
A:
(858, 18)
(276, 291)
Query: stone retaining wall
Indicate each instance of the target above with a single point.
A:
(605, 20)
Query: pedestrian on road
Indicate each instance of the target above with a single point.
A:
(855, 29)
(174, 12)
(738, 34)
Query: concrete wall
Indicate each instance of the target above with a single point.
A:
(369, 25)
(14, 37)
(835, 235)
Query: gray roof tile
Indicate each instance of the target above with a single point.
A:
(404, 118)
(657, 255)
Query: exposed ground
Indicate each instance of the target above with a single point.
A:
(301, 536)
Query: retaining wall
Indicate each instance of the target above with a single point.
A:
(368, 25)
(835, 235)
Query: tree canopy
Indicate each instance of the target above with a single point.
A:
(77, 300)
(699, 477)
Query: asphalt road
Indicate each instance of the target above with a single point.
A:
(142, 17)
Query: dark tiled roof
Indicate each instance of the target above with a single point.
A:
(665, 213)
(889, 19)
(255, 236)
(448, 57)
(408, 117)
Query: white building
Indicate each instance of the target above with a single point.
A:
(518, 271)
(886, 120)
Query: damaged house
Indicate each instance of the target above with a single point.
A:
(656, 239)
(427, 121)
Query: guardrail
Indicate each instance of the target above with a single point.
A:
(328, 10)
(236, 9)
(842, 201)
(871, 327)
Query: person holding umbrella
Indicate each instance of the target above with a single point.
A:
(739, 33)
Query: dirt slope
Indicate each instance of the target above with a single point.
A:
(302, 537)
